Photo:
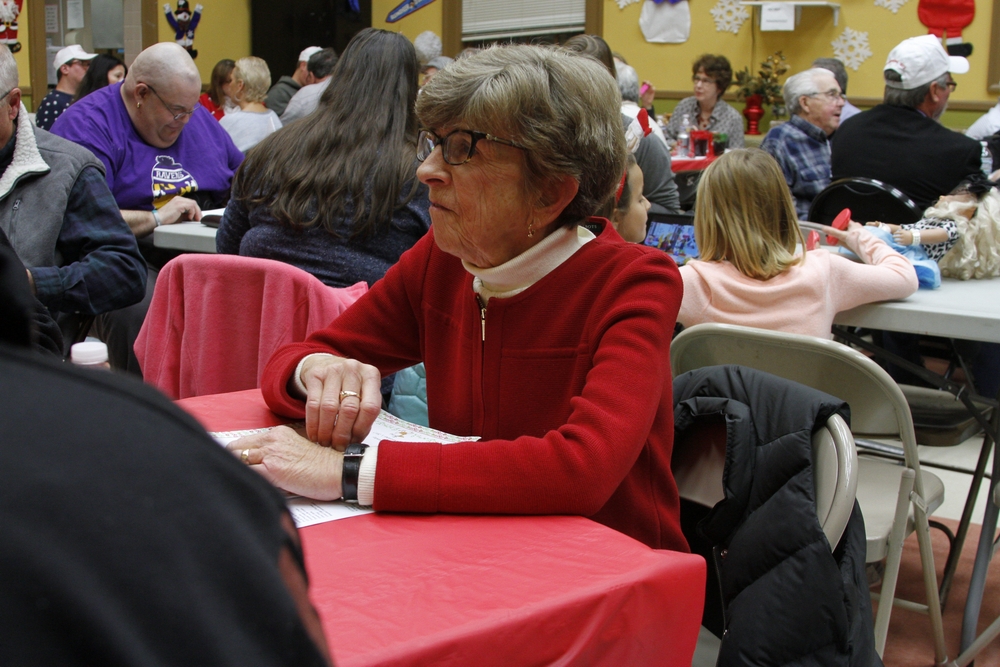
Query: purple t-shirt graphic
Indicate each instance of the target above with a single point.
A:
(141, 176)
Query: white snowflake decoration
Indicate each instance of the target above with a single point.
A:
(622, 4)
(729, 16)
(852, 48)
(892, 5)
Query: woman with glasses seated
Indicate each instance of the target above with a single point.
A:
(543, 333)
(165, 159)
(706, 109)
(335, 193)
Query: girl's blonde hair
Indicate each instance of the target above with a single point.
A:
(744, 215)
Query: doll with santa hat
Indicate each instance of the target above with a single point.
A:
(183, 23)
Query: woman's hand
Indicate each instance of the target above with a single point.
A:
(343, 399)
(841, 235)
(291, 462)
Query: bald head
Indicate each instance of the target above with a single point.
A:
(164, 66)
(161, 93)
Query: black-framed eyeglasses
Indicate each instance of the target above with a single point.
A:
(458, 146)
(177, 116)
(833, 95)
(951, 85)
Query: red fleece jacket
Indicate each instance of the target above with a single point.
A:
(570, 391)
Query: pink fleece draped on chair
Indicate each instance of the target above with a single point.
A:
(215, 320)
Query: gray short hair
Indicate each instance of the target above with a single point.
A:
(8, 70)
(801, 85)
(256, 78)
(908, 98)
(628, 82)
(836, 68)
(562, 108)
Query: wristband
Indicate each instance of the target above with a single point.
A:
(352, 466)
(156, 218)
(916, 237)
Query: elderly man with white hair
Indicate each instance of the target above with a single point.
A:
(165, 158)
(802, 145)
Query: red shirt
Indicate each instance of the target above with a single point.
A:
(206, 101)
(570, 391)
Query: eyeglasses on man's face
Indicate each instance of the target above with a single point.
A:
(172, 109)
(951, 85)
(833, 95)
(457, 147)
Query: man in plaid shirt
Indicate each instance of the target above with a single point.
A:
(802, 145)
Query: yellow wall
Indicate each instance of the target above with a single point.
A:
(23, 68)
(425, 18)
(668, 65)
(224, 32)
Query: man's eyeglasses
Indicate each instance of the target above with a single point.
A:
(832, 95)
(177, 116)
(952, 85)
(456, 148)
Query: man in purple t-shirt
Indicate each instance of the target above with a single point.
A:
(158, 144)
(164, 154)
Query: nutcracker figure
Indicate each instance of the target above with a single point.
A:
(183, 23)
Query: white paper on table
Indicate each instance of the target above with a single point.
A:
(307, 512)
(777, 16)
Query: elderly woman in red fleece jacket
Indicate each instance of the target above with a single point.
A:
(542, 331)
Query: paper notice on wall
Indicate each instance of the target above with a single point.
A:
(51, 19)
(74, 14)
(777, 16)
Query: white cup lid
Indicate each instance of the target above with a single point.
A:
(91, 352)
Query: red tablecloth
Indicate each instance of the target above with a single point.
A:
(396, 589)
(678, 164)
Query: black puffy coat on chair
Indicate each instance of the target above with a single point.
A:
(787, 598)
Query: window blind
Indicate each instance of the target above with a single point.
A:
(497, 19)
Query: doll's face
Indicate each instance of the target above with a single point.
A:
(964, 204)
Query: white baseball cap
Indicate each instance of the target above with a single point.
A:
(308, 53)
(920, 60)
(71, 52)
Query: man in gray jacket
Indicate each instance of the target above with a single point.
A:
(60, 217)
(287, 86)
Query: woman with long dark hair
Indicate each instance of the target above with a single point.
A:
(335, 193)
(104, 70)
(216, 98)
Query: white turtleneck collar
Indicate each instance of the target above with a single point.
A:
(523, 271)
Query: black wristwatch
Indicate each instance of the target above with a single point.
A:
(352, 466)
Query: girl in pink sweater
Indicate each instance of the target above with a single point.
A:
(750, 273)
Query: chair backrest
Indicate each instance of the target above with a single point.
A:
(878, 407)
(215, 321)
(869, 200)
(699, 462)
(687, 187)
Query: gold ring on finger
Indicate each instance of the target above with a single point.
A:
(245, 456)
(344, 394)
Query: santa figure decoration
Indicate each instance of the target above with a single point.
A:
(948, 17)
(183, 22)
(9, 11)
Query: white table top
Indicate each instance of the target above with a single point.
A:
(966, 309)
(189, 236)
